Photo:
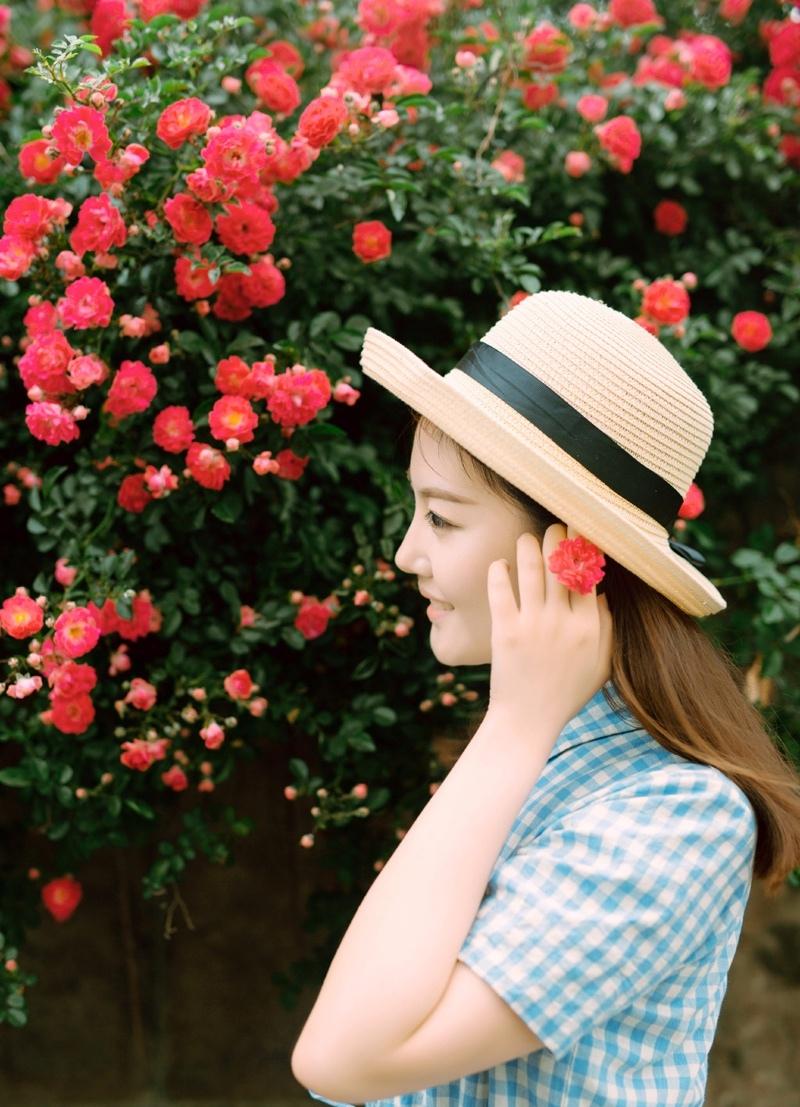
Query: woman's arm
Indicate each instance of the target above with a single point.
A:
(399, 952)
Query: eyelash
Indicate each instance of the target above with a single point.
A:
(441, 525)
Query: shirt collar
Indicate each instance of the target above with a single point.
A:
(596, 719)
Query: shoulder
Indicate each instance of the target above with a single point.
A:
(688, 821)
(687, 788)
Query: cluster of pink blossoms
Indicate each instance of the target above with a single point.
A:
(690, 58)
(75, 633)
(292, 399)
(228, 193)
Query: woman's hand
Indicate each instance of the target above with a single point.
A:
(551, 653)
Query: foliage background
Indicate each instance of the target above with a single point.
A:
(465, 240)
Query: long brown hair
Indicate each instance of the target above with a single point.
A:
(684, 689)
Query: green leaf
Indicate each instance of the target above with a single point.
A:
(773, 664)
(50, 478)
(299, 768)
(533, 123)
(413, 100)
(15, 777)
(786, 553)
(229, 592)
(747, 559)
(228, 507)
(397, 203)
(140, 808)
(172, 622)
(325, 321)
(166, 20)
(160, 870)
(191, 341)
(347, 340)
(530, 283)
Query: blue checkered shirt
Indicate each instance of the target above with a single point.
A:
(609, 923)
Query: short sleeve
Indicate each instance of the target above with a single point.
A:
(333, 1102)
(598, 908)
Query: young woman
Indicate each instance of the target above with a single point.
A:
(557, 926)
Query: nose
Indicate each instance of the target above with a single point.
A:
(401, 558)
(405, 558)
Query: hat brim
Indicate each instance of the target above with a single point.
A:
(516, 449)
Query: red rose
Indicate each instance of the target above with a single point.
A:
(72, 714)
(245, 228)
(666, 301)
(547, 49)
(751, 329)
(535, 96)
(133, 495)
(273, 86)
(173, 429)
(207, 465)
(182, 119)
(670, 217)
(372, 241)
(621, 139)
(239, 684)
(189, 219)
(693, 504)
(322, 120)
(61, 896)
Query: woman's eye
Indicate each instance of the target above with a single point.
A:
(436, 521)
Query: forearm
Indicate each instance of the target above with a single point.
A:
(397, 956)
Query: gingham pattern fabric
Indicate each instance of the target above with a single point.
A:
(609, 923)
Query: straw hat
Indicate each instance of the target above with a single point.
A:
(585, 411)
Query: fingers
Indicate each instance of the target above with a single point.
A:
(556, 594)
(530, 573)
(502, 604)
(536, 583)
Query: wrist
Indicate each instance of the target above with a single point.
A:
(536, 730)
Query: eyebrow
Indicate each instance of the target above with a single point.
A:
(441, 493)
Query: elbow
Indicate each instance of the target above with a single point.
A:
(323, 1078)
(308, 1071)
(301, 1068)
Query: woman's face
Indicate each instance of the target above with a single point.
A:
(452, 562)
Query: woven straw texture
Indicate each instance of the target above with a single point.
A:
(617, 375)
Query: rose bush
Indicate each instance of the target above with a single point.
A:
(203, 210)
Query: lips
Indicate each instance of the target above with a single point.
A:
(439, 605)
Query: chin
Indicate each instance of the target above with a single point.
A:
(453, 651)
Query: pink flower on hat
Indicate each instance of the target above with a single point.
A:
(577, 563)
